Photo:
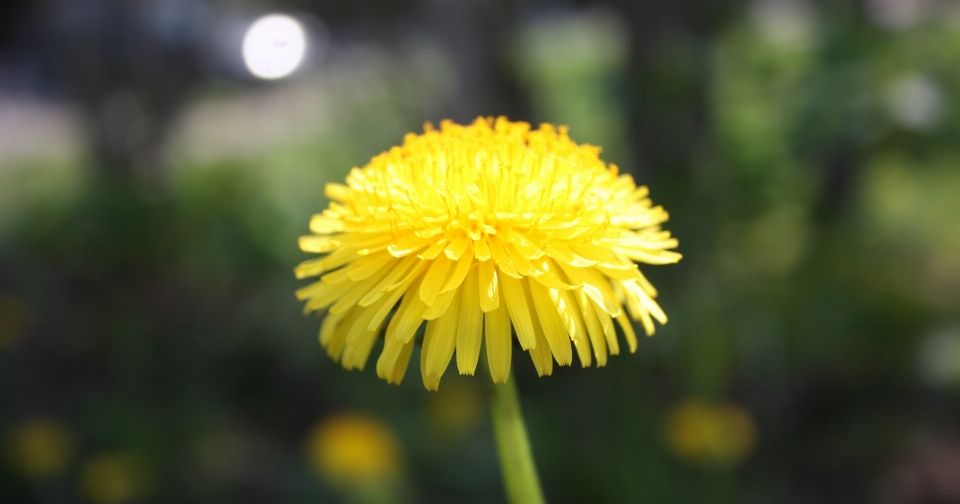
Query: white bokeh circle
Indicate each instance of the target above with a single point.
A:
(274, 46)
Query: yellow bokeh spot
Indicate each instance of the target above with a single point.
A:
(40, 447)
(115, 477)
(13, 320)
(351, 449)
(706, 432)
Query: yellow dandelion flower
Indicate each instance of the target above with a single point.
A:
(711, 432)
(350, 449)
(41, 447)
(484, 231)
(116, 477)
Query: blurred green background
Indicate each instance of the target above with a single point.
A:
(152, 191)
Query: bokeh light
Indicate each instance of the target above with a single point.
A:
(915, 101)
(705, 432)
(939, 358)
(351, 449)
(13, 320)
(40, 447)
(274, 46)
(115, 477)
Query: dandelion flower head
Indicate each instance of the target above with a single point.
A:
(484, 233)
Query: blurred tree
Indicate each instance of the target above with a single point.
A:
(476, 33)
(130, 65)
(668, 81)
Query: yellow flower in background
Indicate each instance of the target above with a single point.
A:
(13, 320)
(350, 449)
(115, 477)
(483, 231)
(711, 432)
(40, 447)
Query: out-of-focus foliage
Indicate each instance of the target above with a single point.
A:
(151, 349)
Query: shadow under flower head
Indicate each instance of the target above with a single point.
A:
(474, 230)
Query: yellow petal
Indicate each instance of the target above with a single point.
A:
(568, 307)
(318, 244)
(313, 290)
(327, 327)
(430, 382)
(609, 332)
(594, 329)
(444, 340)
(651, 256)
(458, 274)
(549, 279)
(400, 268)
(433, 250)
(393, 361)
(521, 262)
(408, 317)
(457, 248)
(433, 280)
(403, 360)
(595, 286)
(520, 315)
(406, 246)
(501, 258)
(469, 326)
(337, 192)
(541, 357)
(481, 250)
(489, 299)
(553, 329)
(361, 337)
(440, 306)
(628, 332)
(353, 293)
(322, 299)
(499, 347)
(310, 268)
(364, 268)
(321, 224)
(563, 255)
(381, 310)
(339, 337)
(415, 272)
(388, 357)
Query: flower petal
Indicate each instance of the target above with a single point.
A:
(487, 283)
(469, 326)
(499, 348)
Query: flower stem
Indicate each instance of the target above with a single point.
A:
(516, 458)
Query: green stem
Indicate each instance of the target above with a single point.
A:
(516, 458)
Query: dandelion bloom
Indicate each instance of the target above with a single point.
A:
(484, 231)
(350, 450)
(708, 432)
